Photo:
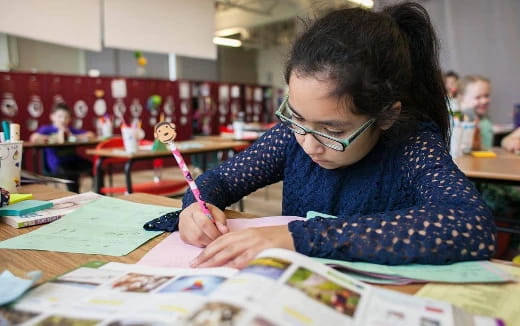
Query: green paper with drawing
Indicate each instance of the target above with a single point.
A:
(106, 226)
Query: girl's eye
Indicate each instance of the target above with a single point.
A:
(334, 133)
(297, 118)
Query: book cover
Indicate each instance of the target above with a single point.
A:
(61, 207)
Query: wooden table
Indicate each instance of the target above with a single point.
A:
(52, 263)
(504, 168)
(37, 154)
(185, 147)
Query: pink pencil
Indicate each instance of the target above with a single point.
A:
(187, 175)
(165, 133)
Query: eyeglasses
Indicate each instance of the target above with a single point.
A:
(284, 114)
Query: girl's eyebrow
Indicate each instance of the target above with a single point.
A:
(329, 123)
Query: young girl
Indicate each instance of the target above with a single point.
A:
(474, 97)
(363, 136)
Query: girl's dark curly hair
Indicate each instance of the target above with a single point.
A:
(377, 59)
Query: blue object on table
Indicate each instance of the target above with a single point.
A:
(24, 207)
(12, 287)
(6, 127)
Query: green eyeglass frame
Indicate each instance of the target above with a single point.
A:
(324, 139)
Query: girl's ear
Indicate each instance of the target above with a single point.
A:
(390, 116)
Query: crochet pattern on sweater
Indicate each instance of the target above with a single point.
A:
(407, 203)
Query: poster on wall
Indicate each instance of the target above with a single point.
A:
(100, 106)
(184, 90)
(8, 105)
(118, 87)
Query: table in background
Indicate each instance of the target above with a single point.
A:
(37, 154)
(502, 169)
(185, 147)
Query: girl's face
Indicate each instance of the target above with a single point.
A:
(313, 107)
(476, 96)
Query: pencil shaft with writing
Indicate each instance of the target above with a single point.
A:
(187, 175)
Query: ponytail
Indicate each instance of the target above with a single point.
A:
(427, 88)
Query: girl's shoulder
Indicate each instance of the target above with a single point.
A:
(278, 134)
(426, 144)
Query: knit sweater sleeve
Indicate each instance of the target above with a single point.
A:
(261, 164)
(449, 221)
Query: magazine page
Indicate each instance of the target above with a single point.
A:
(118, 294)
(279, 287)
(282, 287)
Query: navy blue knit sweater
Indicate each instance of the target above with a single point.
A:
(400, 204)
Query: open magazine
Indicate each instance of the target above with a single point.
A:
(279, 287)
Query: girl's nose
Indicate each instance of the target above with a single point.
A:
(311, 145)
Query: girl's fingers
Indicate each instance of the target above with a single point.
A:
(220, 251)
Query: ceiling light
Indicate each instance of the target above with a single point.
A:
(231, 31)
(227, 41)
(364, 3)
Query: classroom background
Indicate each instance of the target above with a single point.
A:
(200, 63)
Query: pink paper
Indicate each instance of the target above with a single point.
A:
(173, 252)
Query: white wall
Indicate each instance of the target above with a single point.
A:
(75, 23)
(4, 53)
(237, 65)
(271, 63)
(480, 37)
(48, 57)
(161, 26)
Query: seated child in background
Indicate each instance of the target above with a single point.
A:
(474, 98)
(63, 162)
(363, 137)
(451, 79)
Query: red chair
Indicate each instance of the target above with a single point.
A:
(157, 186)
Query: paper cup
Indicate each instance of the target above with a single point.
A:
(11, 165)
(129, 139)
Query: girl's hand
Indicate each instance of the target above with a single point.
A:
(512, 145)
(195, 228)
(237, 249)
(38, 138)
(86, 136)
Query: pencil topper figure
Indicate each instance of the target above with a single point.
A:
(165, 132)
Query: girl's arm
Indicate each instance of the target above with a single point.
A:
(38, 138)
(450, 221)
(261, 164)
